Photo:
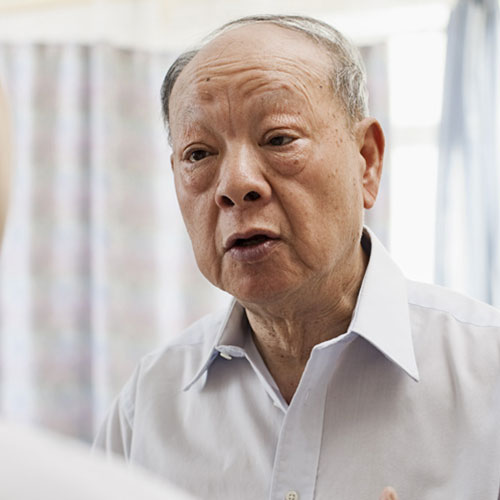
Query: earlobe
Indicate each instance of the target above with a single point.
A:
(371, 143)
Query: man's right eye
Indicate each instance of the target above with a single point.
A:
(197, 155)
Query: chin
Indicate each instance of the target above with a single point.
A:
(261, 283)
(259, 292)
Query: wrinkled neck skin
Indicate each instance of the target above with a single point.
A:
(286, 331)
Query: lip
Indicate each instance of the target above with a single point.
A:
(253, 253)
(233, 238)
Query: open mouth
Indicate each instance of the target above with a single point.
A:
(252, 241)
(251, 246)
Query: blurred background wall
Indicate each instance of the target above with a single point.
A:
(97, 270)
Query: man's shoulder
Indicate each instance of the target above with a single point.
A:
(441, 301)
(456, 341)
(166, 373)
(187, 349)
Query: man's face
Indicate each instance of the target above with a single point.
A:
(268, 176)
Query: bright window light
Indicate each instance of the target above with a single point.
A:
(413, 202)
(416, 71)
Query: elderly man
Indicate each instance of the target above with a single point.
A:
(330, 376)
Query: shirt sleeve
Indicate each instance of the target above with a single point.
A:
(114, 436)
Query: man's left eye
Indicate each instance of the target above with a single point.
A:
(197, 155)
(280, 140)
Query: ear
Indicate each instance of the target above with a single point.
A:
(371, 143)
(172, 161)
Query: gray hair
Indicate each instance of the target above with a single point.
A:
(348, 77)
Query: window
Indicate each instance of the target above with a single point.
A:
(416, 70)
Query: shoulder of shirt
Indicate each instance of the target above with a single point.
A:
(462, 308)
(198, 338)
(171, 367)
(178, 360)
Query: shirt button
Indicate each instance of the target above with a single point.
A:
(292, 495)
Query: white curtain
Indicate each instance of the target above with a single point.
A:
(468, 209)
(96, 268)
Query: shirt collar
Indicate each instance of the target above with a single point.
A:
(381, 316)
(229, 340)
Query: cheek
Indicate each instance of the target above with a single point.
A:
(200, 219)
(193, 187)
(195, 180)
(324, 199)
(293, 162)
(339, 181)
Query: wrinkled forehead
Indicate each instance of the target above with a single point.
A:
(253, 60)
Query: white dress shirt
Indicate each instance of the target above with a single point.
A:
(409, 397)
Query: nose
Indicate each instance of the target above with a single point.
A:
(242, 182)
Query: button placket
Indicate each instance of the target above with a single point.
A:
(302, 429)
(297, 454)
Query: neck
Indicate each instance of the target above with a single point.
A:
(286, 332)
